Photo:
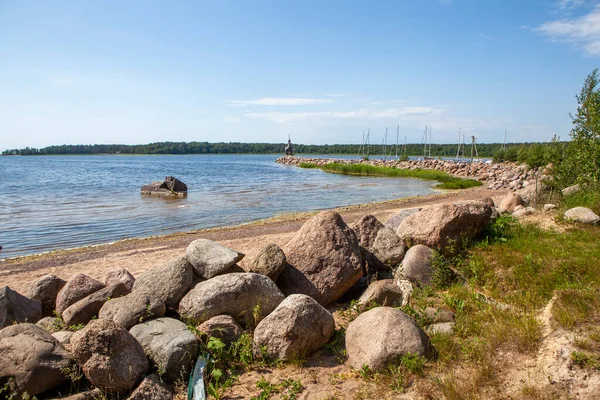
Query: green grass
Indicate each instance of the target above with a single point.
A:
(446, 180)
(589, 198)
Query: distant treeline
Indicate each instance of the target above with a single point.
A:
(437, 150)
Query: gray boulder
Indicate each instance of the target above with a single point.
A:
(388, 248)
(445, 328)
(238, 294)
(381, 335)
(223, 327)
(33, 357)
(523, 211)
(533, 193)
(64, 338)
(366, 230)
(94, 394)
(50, 324)
(270, 261)
(76, 288)
(132, 309)
(324, 259)
(169, 344)
(416, 266)
(45, 289)
(446, 227)
(384, 292)
(210, 258)
(118, 275)
(168, 282)
(395, 221)
(16, 308)
(111, 359)
(87, 308)
(582, 215)
(298, 327)
(152, 388)
(438, 315)
(509, 202)
(571, 190)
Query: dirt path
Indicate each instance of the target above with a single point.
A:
(138, 255)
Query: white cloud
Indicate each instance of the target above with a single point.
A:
(566, 5)
(363, 113)
(280, 101)
(335, 95)
(581, 32)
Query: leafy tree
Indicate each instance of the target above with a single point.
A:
(581, 162)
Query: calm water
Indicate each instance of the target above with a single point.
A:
(55, 202)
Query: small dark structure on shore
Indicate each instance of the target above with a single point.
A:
(170, 187)
(289, 149)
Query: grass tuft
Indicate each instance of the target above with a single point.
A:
(446, 180)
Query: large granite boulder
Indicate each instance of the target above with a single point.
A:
(223, 327)
(417, 265)
(33, 357)
(16, 308)
(210, 259)
(394, 221)
(45, 289)
(64, 338)
(117, 275)
(50, 324)
(270, 261)
(168, 282)
(582, 215)
(388, 248)
(324, 259)
(152, 388)
(237, 294)
(533, 193)
(76, 288)
(298, 327)
(169, 344)
(568, 191)
(381, 335)
(384, 293)
(509, 202)
(87, 308)
(110, 357)
(132, 309)
(446, 227)
(366, 230)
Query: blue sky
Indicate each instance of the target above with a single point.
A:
(323, 71)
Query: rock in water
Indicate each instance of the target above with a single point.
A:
(170, 187)
(169, 344)
(583, 215)
(324, 259)
(381, 335)
(120, 275)
(240, 295)
(210, 258)
(168, 282)
(88, 307)
(76, 288)
(269, 262)
(109, 356)
(416, 266)
(133, 309)
(45, 290)
(298, 327)
(510, 202)
(223, 327)
(16, 308)
(33, 357)
(445, 227)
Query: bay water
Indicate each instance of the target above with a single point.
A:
(59, 202)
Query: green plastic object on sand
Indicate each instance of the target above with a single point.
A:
(196, 389)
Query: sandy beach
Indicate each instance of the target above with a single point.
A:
(138, 255)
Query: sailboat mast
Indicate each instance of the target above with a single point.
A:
(397, 134)
(429, 140)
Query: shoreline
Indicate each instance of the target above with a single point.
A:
(140, 254)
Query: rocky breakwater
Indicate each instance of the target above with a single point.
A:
(129, 330)
(505, 175)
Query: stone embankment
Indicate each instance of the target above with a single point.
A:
(506, 175)
(129, 330)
